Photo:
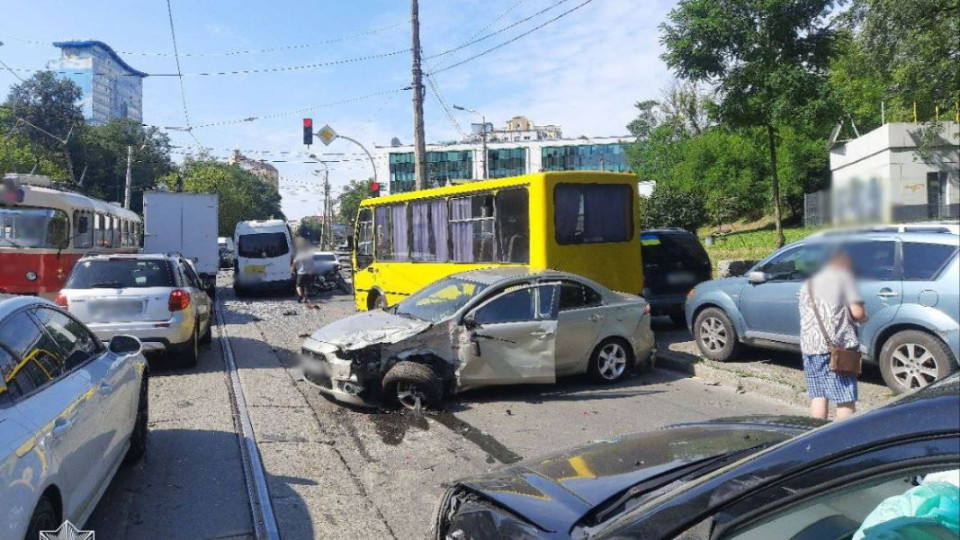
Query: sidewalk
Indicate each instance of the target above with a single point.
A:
(775, 374)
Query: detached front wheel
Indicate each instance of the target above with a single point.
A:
(413, 386)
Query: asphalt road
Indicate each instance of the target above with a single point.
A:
(340, 472)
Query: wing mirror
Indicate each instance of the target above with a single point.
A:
(125, 345)
(470, 322)
(757, 277)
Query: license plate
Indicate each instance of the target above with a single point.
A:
(679, 278)
(116, 308)
(255, 269)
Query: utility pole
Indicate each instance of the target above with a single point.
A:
(129, 184)
(419, 144)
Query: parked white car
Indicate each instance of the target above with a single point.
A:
(481, 328)
(156, 298)
(71, 411)
(264, 253)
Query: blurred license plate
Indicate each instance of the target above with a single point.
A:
(116, 308)
(678, 278)
(255, 269)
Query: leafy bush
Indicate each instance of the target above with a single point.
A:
(670, 207)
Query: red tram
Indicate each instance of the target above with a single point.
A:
(45, 230)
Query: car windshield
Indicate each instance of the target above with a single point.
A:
(34, 228)
(439, 300)
(120, 274)
(263, 245)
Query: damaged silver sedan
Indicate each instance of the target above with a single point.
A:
(481, 328)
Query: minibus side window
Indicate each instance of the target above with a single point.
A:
(393, 242)
(364, 238)
(513, 225)
(591, 213)
(471, 229)
(428, 220)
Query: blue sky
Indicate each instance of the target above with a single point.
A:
(583, 72)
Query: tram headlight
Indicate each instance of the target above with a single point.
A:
(31, 276)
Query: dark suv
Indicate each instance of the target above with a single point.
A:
(673, 263)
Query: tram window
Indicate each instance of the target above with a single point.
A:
(82, 230)
(98, 230)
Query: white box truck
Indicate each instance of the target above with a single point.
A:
(185, 223)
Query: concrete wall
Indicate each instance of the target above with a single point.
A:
(879, 177)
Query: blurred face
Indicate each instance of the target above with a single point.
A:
(841, 259)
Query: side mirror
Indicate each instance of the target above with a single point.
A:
(470, 322)
(757, 277)
(83, 225)
(125, 345)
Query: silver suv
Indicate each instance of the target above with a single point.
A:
(156, 298)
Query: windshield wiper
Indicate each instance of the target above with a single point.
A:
(11, 242)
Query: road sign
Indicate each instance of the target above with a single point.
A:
(327, 135)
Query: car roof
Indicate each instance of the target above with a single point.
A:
(846, 236)
(10, 303)
(489, 276)
(133, 256)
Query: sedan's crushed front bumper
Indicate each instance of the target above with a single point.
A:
(334, 376)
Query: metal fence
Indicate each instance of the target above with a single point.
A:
(816, 208)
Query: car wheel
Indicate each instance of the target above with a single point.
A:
(610, 361)
(207, 336)
(413, 386)
(678, 319)
(192, 352)
(44, 518)
(715, 335)
(912, 359)
(138, 439)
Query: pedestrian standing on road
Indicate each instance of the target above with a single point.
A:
(830, 304)
(303, 265)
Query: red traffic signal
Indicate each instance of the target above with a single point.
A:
(374, 189)
(308, 131)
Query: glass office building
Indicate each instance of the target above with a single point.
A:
(506, 162)
(586, 157)
(441, 166)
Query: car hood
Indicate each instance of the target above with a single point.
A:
(368, 328)
(557, 491)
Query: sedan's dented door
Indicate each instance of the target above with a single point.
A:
(510, 339)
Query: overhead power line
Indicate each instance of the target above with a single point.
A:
(278, 48)
(176, 55)
(509, 41)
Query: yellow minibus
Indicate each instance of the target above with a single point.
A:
(582, 222)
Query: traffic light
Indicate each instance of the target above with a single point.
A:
(308, 131)
(374, 189)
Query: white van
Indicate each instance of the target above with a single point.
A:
(264, 254)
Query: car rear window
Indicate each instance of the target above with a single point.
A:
(263, 245)
(325, 257)
(657, 248)
(924, 261)
(121, 274)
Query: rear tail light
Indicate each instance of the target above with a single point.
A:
(179, 300)
(61, 301)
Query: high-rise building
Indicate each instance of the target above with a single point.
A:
(111, 88)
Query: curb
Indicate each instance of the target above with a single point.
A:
(742, 382)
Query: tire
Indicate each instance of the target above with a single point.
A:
(207, 336)
(912, 359)
(413, 386)
(44, 518)
(678, 319)
(715, 335)
(138, 439)
(610, 361)
(189, 356)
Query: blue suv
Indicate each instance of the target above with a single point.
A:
(910, 283)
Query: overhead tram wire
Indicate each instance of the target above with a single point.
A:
(278, 48)
(183, 92)
(511, 40)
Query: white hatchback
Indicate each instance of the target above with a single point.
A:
(71, 411)
(157, 298)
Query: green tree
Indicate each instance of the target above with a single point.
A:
(17, 156)
(242, 195)
(102, 159)
(671, 207)
(350, 198)
(310, 228)
(45, 113)
(766, 58)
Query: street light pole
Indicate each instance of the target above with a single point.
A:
(483, 136)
